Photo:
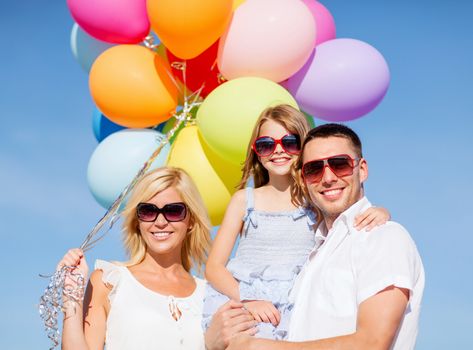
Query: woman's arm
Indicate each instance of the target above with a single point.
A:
(84, 321)
(215, 271)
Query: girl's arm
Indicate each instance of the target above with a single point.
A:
(371, 217)
(215, 271)
(84, 322)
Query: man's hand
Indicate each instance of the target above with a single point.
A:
(240, 342)
(263, 311)
(231, 319)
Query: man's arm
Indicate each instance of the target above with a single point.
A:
(378, 321)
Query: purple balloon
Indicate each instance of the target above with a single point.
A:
(343, 79)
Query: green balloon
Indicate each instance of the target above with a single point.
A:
(310, 119)
(227, 116)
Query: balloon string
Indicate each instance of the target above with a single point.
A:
(184, 80)
(149, 43)
(181, 87)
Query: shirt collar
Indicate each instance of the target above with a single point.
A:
(344, 219)
(348, 216)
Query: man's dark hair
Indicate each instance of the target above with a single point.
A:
(337, 130)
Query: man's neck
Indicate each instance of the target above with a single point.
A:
(329, 219)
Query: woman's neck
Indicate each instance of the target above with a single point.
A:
(163, 264)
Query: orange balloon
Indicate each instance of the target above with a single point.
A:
(132, 86)
(188, 27)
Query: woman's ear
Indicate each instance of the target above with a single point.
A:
(191, 225)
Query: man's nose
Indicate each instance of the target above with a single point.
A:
(328, 175)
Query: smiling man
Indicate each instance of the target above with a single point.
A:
(358, 289)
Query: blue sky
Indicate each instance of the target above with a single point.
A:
(418, 144)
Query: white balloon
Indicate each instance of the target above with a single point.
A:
(117, 160)
(86, 48)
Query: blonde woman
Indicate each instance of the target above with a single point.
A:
(151, 301)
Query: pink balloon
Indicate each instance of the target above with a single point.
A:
(113, 21)
(324, 21)
(270, 39)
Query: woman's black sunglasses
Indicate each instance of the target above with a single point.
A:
(172, 212)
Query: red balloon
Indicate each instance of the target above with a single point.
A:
(201, 71)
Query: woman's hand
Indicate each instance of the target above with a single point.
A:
(371, 218)
(263, 311)
(74, 259)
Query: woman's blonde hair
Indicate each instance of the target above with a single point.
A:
(197, 242)
(293, 121)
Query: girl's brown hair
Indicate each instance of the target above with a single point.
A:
(293, 121)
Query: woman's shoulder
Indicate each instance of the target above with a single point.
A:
(106, 272)
(105, 265)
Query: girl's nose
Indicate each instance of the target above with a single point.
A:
(279, 149)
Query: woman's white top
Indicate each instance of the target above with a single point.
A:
(141, 319)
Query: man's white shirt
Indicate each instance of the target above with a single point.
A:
(348, 268)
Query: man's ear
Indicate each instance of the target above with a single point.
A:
(363, 170)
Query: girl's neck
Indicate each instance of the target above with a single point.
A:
(275, 196)
(281, 183)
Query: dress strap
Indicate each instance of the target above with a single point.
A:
(250, 201)
(249, 215)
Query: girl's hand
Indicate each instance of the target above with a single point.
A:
(372, 217)
(263, 311)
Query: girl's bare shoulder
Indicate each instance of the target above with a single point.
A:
(237, 202)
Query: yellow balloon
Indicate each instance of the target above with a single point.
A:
(131, 85)
(237, 3)
(215, 177)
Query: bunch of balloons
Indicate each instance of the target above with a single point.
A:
(217, 64)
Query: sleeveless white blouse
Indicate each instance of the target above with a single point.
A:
(141, 319)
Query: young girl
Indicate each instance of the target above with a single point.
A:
(277, 230)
